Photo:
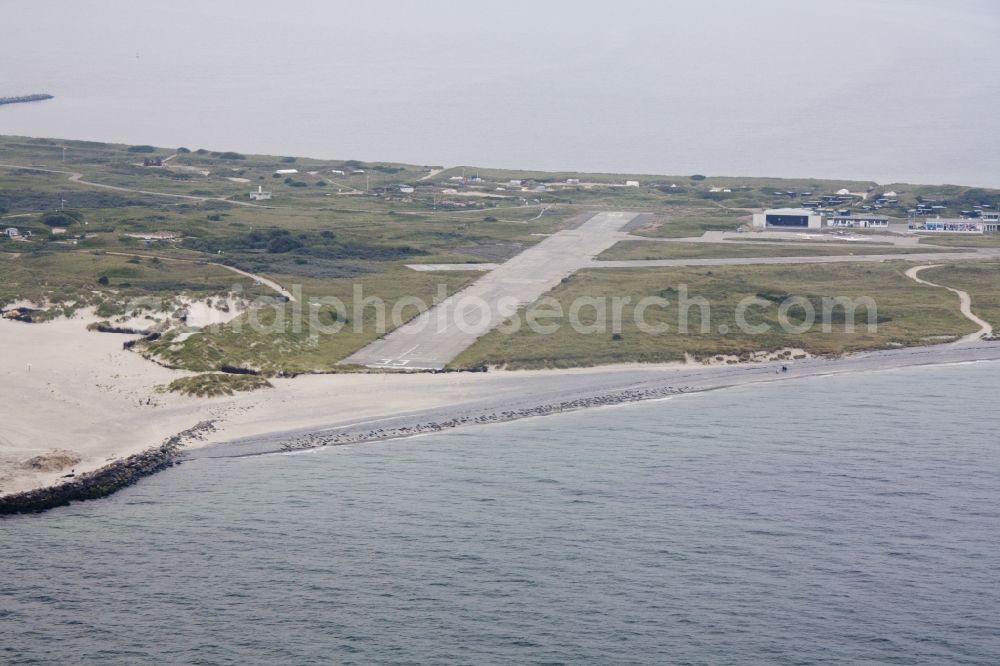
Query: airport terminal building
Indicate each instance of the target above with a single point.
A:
(946, 225)
(788, 218)
(858, 221)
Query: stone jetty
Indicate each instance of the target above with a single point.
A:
(106, 480)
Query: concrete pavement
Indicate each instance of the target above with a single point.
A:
(434, 338)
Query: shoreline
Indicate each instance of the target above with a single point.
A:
(104, 481)
(108, 479)
(77, 399)
(631, 389)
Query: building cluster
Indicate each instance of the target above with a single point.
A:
(806, 218)
(986, 222)
(14, 233)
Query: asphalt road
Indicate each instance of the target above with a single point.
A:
(434, 338)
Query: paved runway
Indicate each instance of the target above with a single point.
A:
(434, 338)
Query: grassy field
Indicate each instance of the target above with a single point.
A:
(279, 338)
(986, 240)
(325, 233)
(689, 222)
(629, 250)
(76, 279)
(908, 314)
(980, 279)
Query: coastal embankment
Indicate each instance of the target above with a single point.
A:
(103, 481)
(542, 393)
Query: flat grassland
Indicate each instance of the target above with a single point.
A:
(335, 225)
(629, 250)
(980, 279)
(907, 314)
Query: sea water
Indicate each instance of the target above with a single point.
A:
(890, 90)
(829, 520)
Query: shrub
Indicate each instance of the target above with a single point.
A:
(281, 244)
(215, 384)
(182, 149)
(142, 149)
(103, 280)
(698, 176)
(60, 218)
(229, 155)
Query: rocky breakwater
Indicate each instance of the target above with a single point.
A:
(106, 480)
(314, 440)
(21, 99)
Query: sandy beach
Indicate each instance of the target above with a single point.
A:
(76, 400)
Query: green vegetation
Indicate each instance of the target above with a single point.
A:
(627, 250)
(214, 385)
(980, 279)
(973, 241)
(279, 339)
(61, 218)
(689, 222)
(344, 223)
(71, 280)
(908, 314)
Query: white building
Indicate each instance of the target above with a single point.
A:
(788, 218)
(991, 221)
(858, 221)
(952, 225)
(338, 172)
(406, 189)
(260, 195)
(12, 232)
(283, 172)
(631, 183)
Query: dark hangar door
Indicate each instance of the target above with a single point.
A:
(788, 220)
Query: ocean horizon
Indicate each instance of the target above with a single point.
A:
(636, 88)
